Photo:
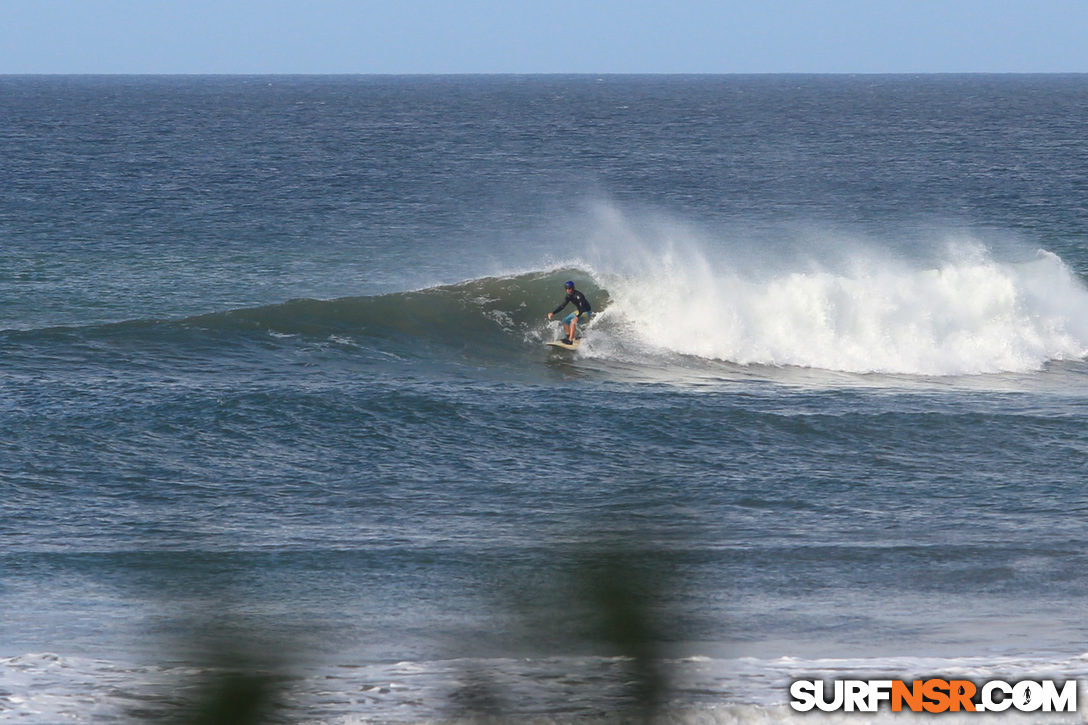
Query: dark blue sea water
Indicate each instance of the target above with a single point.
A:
(273, 387)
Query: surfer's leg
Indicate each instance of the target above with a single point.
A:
(568, 325)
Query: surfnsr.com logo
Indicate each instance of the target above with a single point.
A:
(934, 695)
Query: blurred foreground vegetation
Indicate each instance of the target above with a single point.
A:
(608, 599)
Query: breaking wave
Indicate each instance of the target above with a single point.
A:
(966, 316)
(970, 314)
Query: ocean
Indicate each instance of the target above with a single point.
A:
(276, 408)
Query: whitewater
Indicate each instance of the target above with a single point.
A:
(969, 315)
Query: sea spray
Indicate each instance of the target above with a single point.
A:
(971, 314)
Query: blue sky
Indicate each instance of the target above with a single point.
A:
(545, 36)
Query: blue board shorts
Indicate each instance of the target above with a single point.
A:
(582, 317)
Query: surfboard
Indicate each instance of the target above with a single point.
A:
(563, 346)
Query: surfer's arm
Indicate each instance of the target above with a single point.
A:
(560, 307)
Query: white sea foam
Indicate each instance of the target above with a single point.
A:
(860, 309)
(49, 688)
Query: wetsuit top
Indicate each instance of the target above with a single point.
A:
(579, 301)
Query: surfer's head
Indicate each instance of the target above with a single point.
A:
(570, 285)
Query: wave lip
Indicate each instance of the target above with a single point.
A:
(968, 316)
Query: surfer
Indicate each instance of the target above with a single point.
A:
(582, 311)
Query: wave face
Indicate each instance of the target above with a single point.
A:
(495, 312)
